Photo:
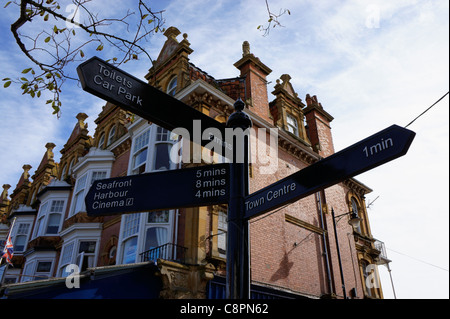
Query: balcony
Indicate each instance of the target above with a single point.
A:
(169, 251)
(382, 258)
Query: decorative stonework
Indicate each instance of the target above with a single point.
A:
(184, 281)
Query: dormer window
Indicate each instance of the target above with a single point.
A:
(172, 87)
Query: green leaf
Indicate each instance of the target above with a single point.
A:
(7, 4)
(38, 93)
(100, 47)
(47, 39)
(24, 79)
(8, 83)
(82, 53)
(26, 70)
(46, 17)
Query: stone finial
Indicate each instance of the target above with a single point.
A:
(4, 194)
(26, 169)
(172, 32)
(245, 48)
(50, 146)
(81, 117)
(285, 78)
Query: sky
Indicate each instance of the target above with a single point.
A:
(370, 63)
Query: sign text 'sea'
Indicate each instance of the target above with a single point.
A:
(120, 84)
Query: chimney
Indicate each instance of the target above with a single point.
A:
(319, 129)
(255, 73)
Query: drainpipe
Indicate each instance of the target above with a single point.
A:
(324, 240)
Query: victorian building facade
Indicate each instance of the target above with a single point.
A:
(293, 251)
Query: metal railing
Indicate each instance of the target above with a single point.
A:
(167, 251)
(379, 245)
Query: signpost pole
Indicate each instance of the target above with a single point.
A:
(238, 259)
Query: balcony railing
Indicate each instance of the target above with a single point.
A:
(383, 259)
(167, 251)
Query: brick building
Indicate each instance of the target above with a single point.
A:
(293, 250)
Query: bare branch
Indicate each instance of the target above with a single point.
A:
(273, 20)
(52, 49)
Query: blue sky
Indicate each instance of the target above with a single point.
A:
(370, 63)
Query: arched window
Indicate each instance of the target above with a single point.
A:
(101, 141)
(111, 135)
(172, 87)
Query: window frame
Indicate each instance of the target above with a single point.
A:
(293, 129)
(172, 86)
(80, 192)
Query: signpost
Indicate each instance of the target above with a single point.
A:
(189, 187)
(122, 89)
(371, 152)
(218, 183)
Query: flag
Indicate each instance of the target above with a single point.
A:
(8, 251)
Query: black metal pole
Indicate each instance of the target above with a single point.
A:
(339, 254)
(238, 260)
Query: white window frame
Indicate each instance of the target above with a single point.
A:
(222, 230)
(30, 270)
(21, 232)
(111, 134)
(172, 86)
(80, 191)
(153, 135)
(43, 217)
(292, 124)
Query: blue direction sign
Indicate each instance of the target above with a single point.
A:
(189, 187)
(122, 89)
(371, 152)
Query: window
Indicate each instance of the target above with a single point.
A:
(292, 124)
(86, 254)
(66, 259)
(49, 219)
(222, 234)
(43, 270)
(157, 234)
(20, 241)
(129, 234)
(64, 172)
(172, 87)
(41, 220)
(129, 250)
(78, 198)
(146, 158)
(356, 210)
(111, 135)
(81, 189)
(140, 151)
(158, 217)
(163, 145)
(27, 274)
(366, 273)
(101, 141)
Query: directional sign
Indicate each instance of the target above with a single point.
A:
(122, 89)
(189, 187)
(371, 152)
